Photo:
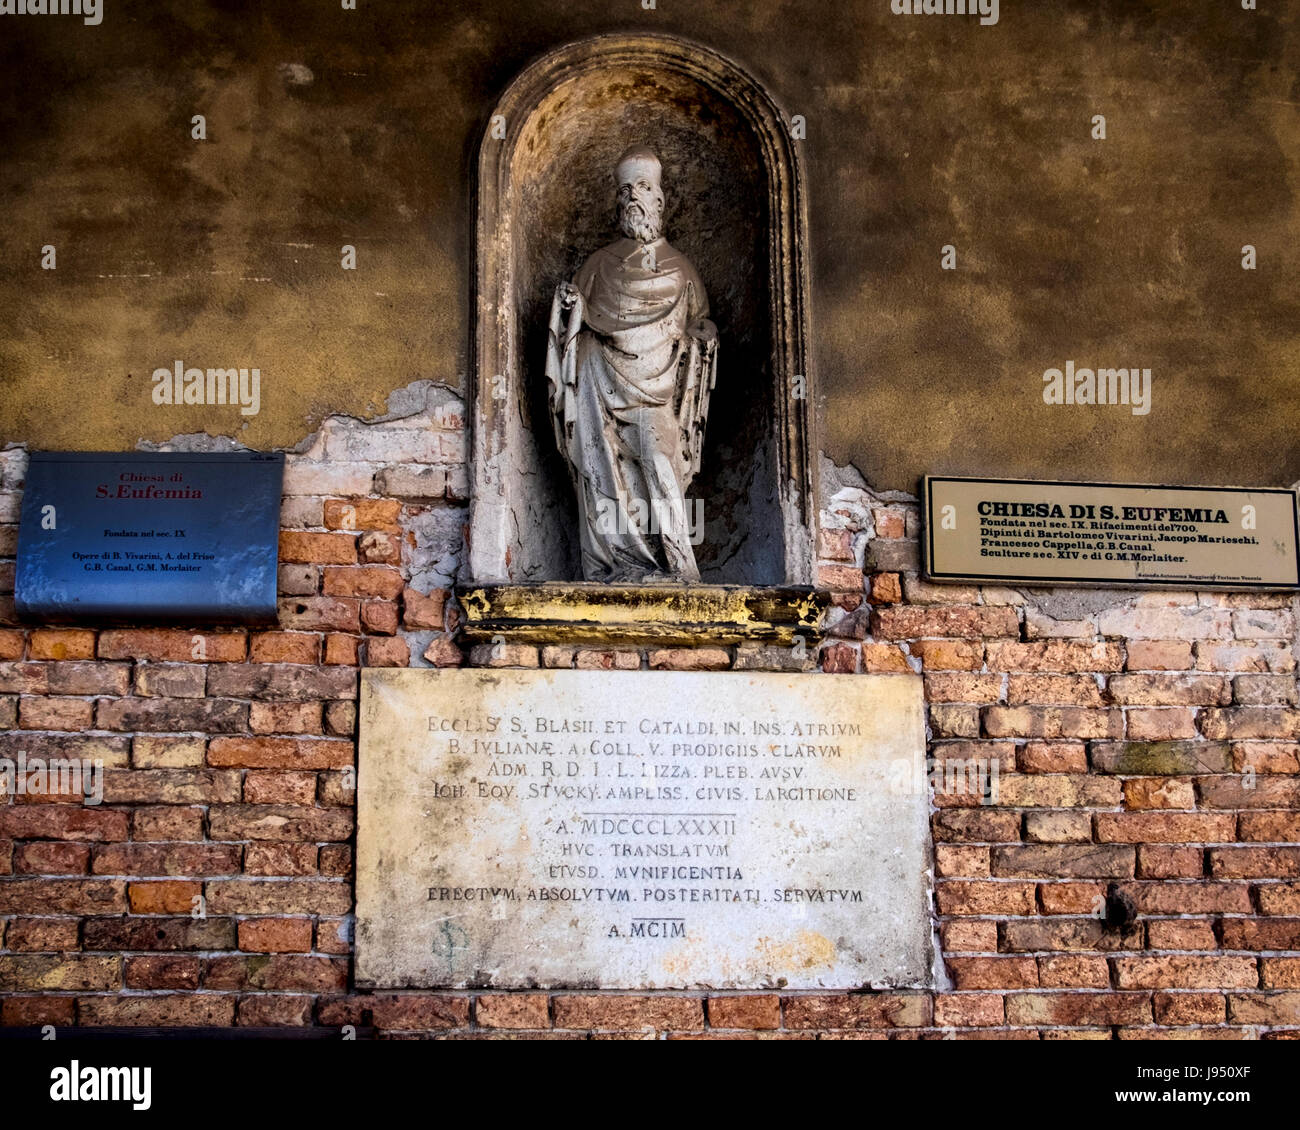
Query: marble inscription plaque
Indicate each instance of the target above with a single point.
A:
(641, 829)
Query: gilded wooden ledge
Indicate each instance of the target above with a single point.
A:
(632, 615)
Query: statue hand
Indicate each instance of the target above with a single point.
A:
(567, 294)
(704, 331)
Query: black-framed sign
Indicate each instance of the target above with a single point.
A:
(150, 537)
(1055, 533)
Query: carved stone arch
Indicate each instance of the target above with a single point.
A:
(736, 208)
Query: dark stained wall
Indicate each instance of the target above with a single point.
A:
(922, 131)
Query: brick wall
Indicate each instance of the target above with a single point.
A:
(1135, 873)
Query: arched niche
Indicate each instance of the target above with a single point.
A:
(735, 206)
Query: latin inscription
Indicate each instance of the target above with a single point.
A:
(638, 829)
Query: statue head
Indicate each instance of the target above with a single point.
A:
(640, 197)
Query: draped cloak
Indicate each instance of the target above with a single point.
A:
(629, 386)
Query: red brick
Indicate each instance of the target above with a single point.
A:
(280, 753)
(382, 651)
(969, 1010)
(364, 581)
(1158, 792)
(1201, 897)
(1177, 1009)
(689, 659)
(173, 645)
(969, 936)
(1252, 863)
(275, 1010)
(1264, 1009)
(179, 859)
(973, 622)
(162, 971)
(993, 972)
(1066, 656)
(513, 1010)
(375, 548)
(845, 1010)
(948, 655)
(341, 650)
(415, 1012)
(1266, 757)
(1170, 690)
(175, 897)
(1078, 1009)
(1052, 722)
(1181, 934)
(1074, 971)
(379, 617)
(62, 896)
(982, 898)
(886, 588)
(382, 514)
(278, 896)
(747, 1012)
(271, 859)
(284, 823)
(1161, 723)
(41, 935)
(284, 647)
(61, 822)
(11, 644)
(1180, 971)
(840, 578)
(1162, 861)
(1165, 827)
(1159, 655)
(173, 1010)
(1278, 972)
(1261, 933)
(1279, 898)
(60, 643)
(1072, 898)
(167, 822)
(628, 1013)
(268, 786)
(840, 659)
(1251, 722)
(275, 935)
(320, 614)
(421, 611)
(36, 1012)
(297, 547)
(884, 658)
(1064, 861)
(51, 858)
(961, 686)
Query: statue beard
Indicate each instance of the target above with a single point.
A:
(640, 220)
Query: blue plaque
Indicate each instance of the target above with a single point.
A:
(150, 536)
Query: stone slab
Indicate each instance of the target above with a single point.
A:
(641, 830)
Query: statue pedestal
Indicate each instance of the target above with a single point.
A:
(663, 615)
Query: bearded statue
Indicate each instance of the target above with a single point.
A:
(630, 364)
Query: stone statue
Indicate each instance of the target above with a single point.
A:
(630, 363)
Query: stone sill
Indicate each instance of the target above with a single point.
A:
(642, 615)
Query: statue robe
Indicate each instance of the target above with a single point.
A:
(629, 385)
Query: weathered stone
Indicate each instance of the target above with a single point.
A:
(804, 812)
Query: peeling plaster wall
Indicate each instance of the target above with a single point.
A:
(329, 127)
